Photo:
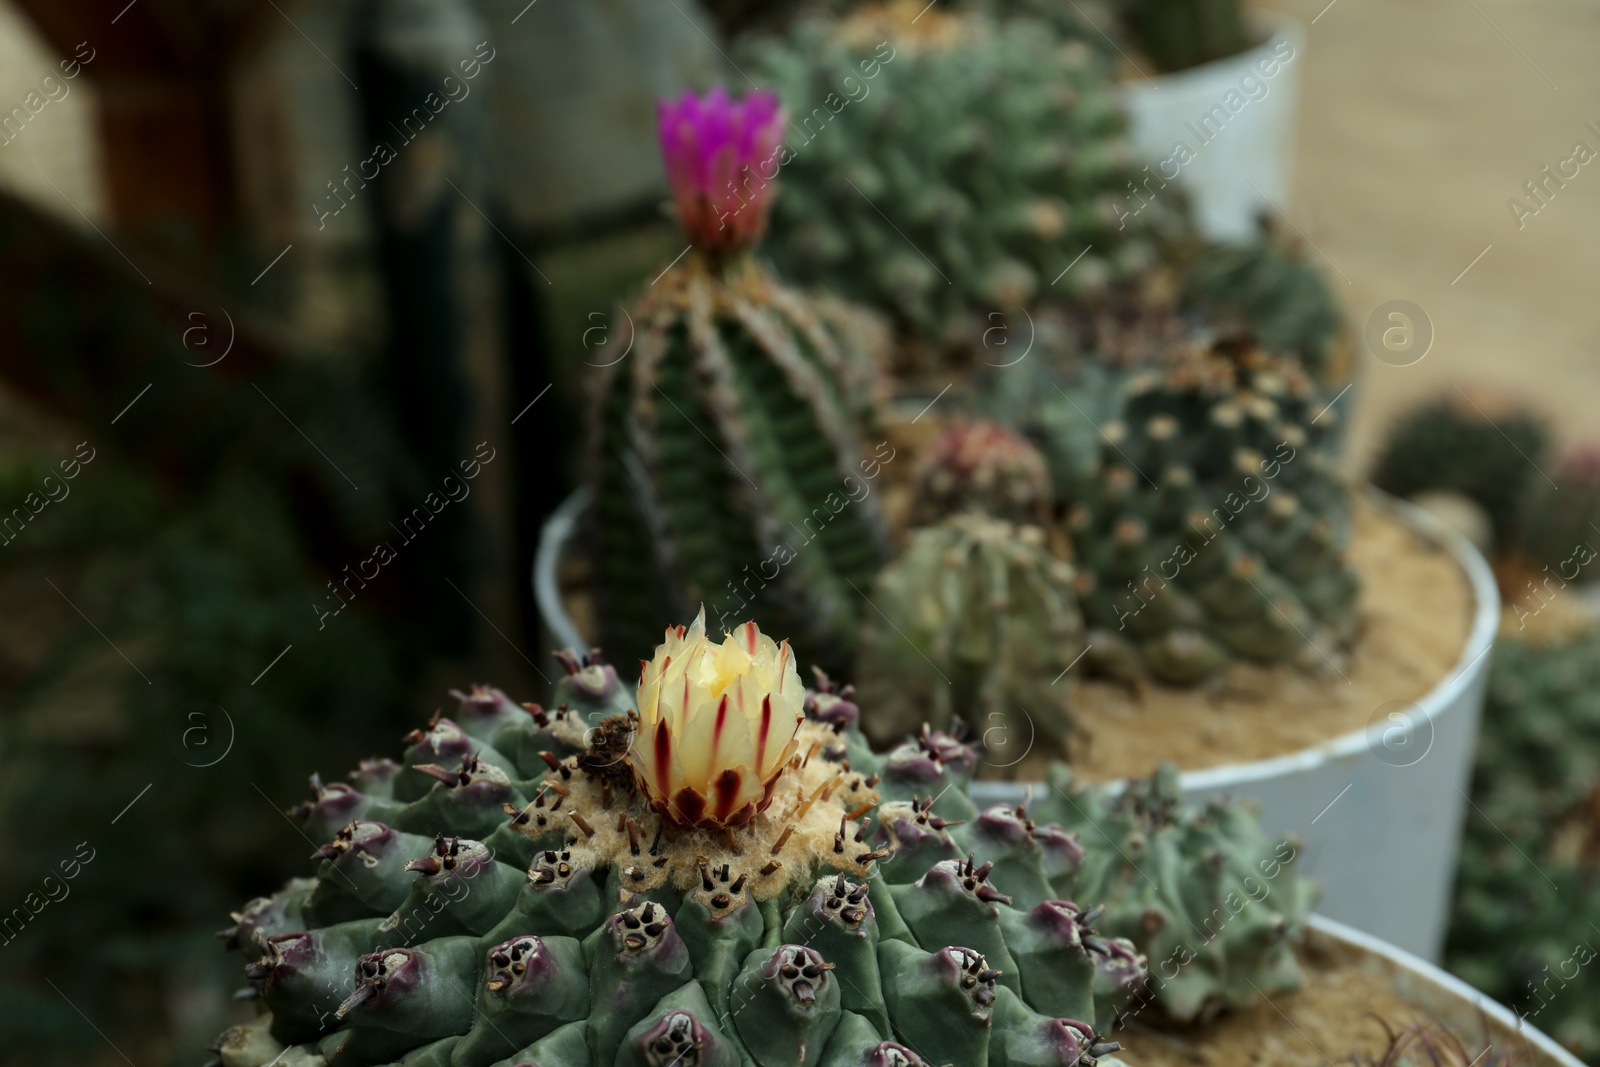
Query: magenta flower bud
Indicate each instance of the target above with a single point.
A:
(721, 157)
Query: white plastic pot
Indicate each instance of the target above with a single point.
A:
(1223, 130)
(1475, 1018)
(1380, 810)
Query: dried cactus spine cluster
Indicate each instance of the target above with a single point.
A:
(1217, 526)
(692, 882)
(725, 444)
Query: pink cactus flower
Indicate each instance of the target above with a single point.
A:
(721, 157)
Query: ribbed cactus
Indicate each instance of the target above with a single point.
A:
(1217, 525)
(1212, 901)
(1474, 442)
(1271, 288)
(953, 168)
(713, 878)
(974, 622)
(982, 466)
(1179, 34)
(729, 465)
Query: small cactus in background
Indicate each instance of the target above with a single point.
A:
(1179, 34)
(1212, 901)
(970, 165)
(1558, 525)
(1216, 527)
(974, 622)
(982, 466)
(715, 877)
(1476, 443)
(727, 459)
(1270, 288)
(1527, 888)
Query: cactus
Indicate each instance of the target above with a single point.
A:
(697, 881)
(982, 466)
(1528, 881)
(1217, 525)
(727, 464)
(1484, 446)
(1179, 34)
(1558, 529)
(954, 168)
(1269, 287)
(1212, 901)
(975, 622)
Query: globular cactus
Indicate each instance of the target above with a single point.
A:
(1558, 525)
(1217, 525)
(1212, 901)
(1481, 444)
(947, 167)
(1271, 288)
(728, 464)
(982, 466)
(723, 876)
(975, 622)
(1530, 848)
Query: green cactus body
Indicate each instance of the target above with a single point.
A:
(1211, 901)
(1269, 287)
(1558, 529)
(790, 938)
(971, 164)
(1179, 34)
(1527, 881)
(1471, 443)
(722, 449)
(975, 621)
(1217, 526)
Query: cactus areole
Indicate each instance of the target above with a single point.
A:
(718, 874)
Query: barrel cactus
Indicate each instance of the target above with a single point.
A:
(1558, 525)
(1212, 901)
(1216, 528)
(976, 622)
(723, 875)
(982, 466)
(1270, 287)
(728, 464)
(954, 167)
(1476, 442)
(1179, 34)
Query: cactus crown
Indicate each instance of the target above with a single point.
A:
(982, 466)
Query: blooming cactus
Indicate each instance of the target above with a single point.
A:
(716, 724)
(721, 155)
